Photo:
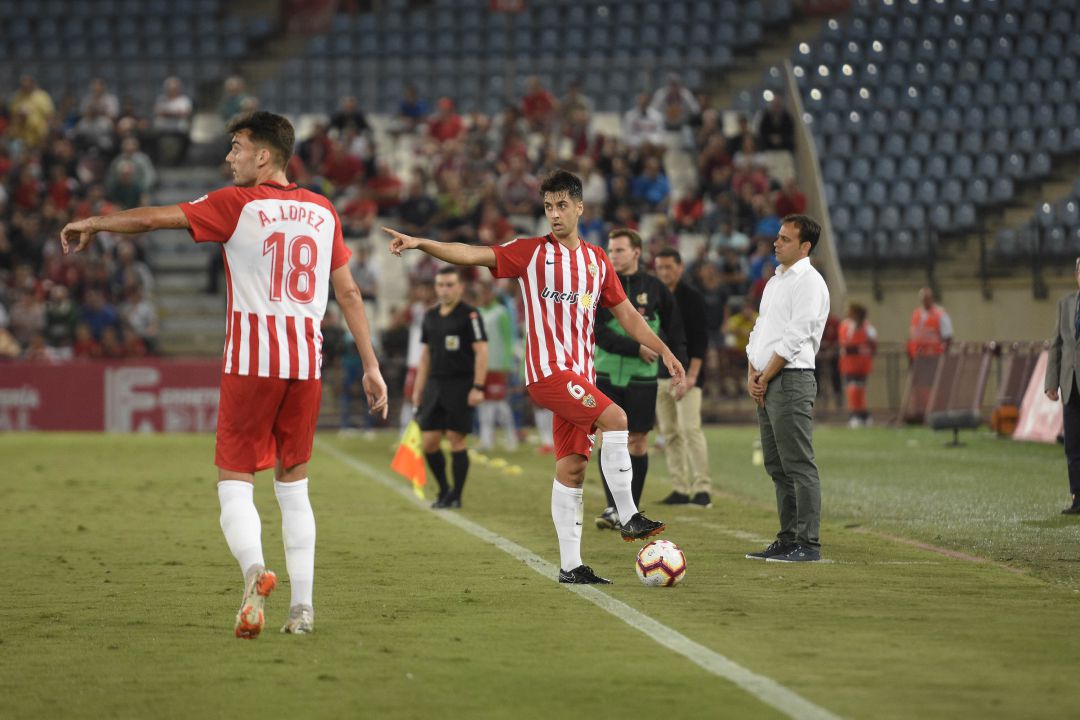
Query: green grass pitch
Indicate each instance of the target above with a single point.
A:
(953, 589)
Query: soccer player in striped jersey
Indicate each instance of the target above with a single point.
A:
(563, 280)
(283, 250)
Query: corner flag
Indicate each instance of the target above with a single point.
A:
(409, 460)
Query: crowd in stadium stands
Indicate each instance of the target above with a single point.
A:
(473, 178)
(69, 160)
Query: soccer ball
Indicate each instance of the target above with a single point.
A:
(661, 563)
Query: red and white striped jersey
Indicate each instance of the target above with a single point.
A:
(280, 244)
(561, 289)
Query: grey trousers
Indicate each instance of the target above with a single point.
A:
(787, 427)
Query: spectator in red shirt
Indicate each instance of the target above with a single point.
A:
(85, 346)
(539, 106)
(358, 211)
(789, 199)
(385, 187)
(60, 188)
(445, 124)
(494, 228)
(689, 211)
(341, 168)
(27, 195)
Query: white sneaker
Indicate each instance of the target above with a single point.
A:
(854, 422)
(301, 620)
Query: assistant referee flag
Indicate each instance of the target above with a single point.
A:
(409, 460)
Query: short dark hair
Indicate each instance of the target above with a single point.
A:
(267, 128)
(809, 229)
(562, 181)
(670, 252)
(449, 270)
(631, 235)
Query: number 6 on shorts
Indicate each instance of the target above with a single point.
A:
(576, 391)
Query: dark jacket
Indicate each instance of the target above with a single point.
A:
(616, 358)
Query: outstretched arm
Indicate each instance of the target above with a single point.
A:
(637, 328)
(136, 220)
(456, 253)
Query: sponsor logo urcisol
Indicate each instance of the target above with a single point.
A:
(567, 297)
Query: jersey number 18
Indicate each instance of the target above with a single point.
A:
(299, 278)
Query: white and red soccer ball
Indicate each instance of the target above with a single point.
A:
(660, 563)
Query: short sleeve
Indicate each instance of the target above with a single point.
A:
(611, 292)
(476, 327)
(213, 217)
(512, 257)
(424, 335)
(341, 253)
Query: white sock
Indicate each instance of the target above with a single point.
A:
(240, 523)
(567, 509)
(298, 533)
(615, 460)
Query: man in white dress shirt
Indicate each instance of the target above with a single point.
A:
(785, 339)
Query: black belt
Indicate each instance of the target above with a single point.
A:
(798, 370)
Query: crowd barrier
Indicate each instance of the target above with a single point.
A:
(165, 395)
(120, 396)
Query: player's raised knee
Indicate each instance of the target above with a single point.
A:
(613, 418)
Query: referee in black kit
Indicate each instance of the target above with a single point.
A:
(449, 382)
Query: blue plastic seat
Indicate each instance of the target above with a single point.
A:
(952, 191)
(1051, 140)
(978, 191)
(921, 144)
(851, 193)
(926, 191)
(941, 217)
(869, 143)
(988, 165)
(877, 193)
(885, 168)
(1024, 139)
(962, 165)
(911, 168)
(965, 217)
(865, 218)
(861, 169)
(1002, 189)
(1015, 165)
(903, 192)
(914, 217)
(1039, 165)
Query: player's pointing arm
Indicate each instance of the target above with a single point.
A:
(136, 220)
(456, 253)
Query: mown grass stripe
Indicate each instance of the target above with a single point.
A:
(763, 688)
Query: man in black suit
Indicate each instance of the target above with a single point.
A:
(1061, 369)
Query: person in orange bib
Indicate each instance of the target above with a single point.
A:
(931, 328)
(858, 343)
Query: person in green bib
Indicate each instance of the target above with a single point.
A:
(627, 371)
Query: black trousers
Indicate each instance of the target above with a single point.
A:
(1071, 412)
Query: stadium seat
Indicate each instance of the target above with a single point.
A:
(914, 217)
(941, 217)
(903, 192)
(926, 191)
(966, 217)
(1001, 189)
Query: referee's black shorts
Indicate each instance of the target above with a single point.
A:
(445, 405)
(637, 399)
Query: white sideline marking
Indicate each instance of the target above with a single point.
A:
(763, 688)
